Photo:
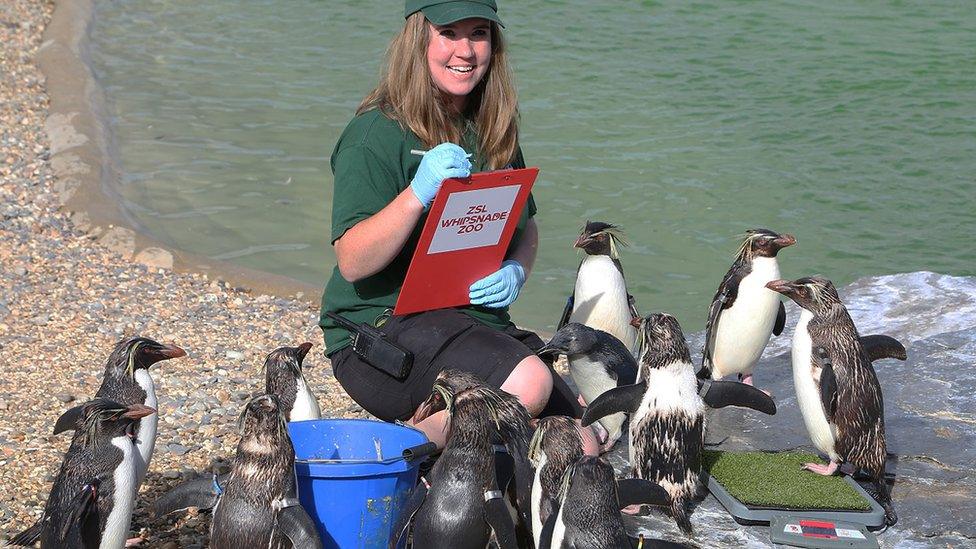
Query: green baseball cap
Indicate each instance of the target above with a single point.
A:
(441, 12)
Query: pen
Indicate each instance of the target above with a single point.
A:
(419, 152)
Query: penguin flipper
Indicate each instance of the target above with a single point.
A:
(414, 503)
(719, 394)
(69, 532)
(828, 385)
(295, 524)
(545, 538)
(633, 491)
(68, 420)
(880, 346)
(780, 319)
(202, 493)
(725, 296)
(28, 537)
(626, 398)
(504, 469)
(567, 312)
(500, 520)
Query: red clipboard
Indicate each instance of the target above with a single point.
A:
(468, 230)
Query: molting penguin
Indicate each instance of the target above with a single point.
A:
(598, 362)
(744, 312)
(589, 509)
(258, 507)
(836, 386)
(667, 425)
(93, 495)
(285, 379)
(462, 503)
(555, 446)
(127, 380)
(600, 299)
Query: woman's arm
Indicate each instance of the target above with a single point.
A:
(370, 245)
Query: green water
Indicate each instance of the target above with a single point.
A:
(849, 124)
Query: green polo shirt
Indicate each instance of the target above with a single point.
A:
(372, 164)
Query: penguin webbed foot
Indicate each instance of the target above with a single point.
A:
(825, 470)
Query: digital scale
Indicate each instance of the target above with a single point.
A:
(820, 533)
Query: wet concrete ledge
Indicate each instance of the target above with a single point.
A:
(86, 168)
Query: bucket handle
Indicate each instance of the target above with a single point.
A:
(421, 450)
(409, 454)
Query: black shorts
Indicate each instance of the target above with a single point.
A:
(441, 340)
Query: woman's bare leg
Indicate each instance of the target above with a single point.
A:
(531, 383)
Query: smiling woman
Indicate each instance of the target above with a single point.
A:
(447, 89)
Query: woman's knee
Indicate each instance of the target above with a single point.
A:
(531, 382)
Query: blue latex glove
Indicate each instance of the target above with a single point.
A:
(444, 161)
(499, 289)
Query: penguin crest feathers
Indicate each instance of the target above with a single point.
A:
(744, 253)
(661, 342)
(95, 413)
(615, 233)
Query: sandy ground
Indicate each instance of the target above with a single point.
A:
(65, 301)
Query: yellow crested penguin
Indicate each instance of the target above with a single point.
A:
(744, 313)
(600, 299)
(94, 492)
(285, 378)
(668, 406)
(588, 516)
(836, 387)
(555, 446)
(460, 504)
(127, 380)
(258, 506)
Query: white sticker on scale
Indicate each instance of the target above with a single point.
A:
(793, 529)
(473, 219)
(845, 533)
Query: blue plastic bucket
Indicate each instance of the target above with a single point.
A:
(353, 479)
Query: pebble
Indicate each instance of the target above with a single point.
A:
(234, 355)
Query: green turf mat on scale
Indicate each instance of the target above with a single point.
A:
(777, 480)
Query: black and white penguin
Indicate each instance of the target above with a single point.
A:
(555, 445)
(128, 381)
(93, 495)
(460, 503)
(600, 299)
(258, 507)
(590, 500)
(667, 425)
(285, 379)
(836, 387)
(744, 313)
(598, 362)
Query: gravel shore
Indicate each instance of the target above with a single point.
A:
(65, 300)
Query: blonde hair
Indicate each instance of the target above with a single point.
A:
(407, 94)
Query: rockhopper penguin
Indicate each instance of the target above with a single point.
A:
(91, 501)
(128, 381)
(744, 312)
(598, 362)
(258, 507)
(667, 425)
(589, 509)
(460, 505)
(836, 386)
(285, 379)
(600, 299)
(555, 446)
